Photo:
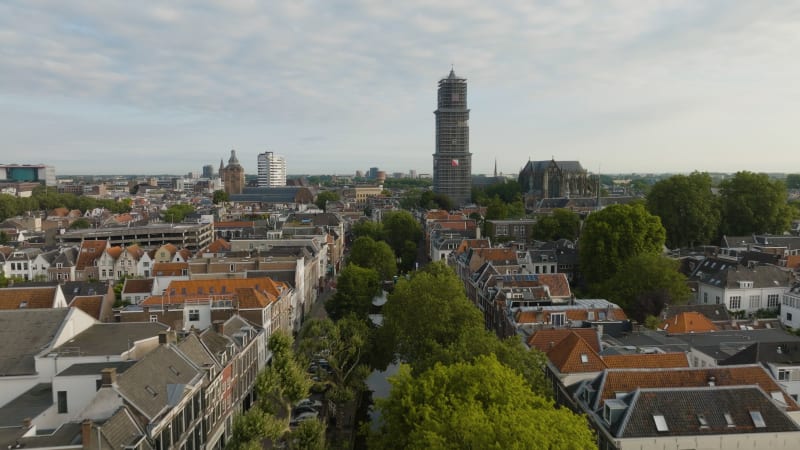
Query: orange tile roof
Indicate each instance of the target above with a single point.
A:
(114, 251)
(59, 212)
(793, 261)
(90, 304)
(88, 253)
(169, 269)
(628, 380)
(544, 340)
(180, 291)
(235, 224)
(467, 244)
(185, 253)
(437, 214)
(135, 251)
(137, 285)
(557, 283)
(218, 246)
(496, 254)
(647, 360)
(573, 354)
(688, 322)
(40, 297)
(171, 248)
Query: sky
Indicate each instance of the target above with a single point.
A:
(106, 87)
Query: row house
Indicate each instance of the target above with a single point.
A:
(63, 266)
(445, 236)
(740, 288)
(519, 230)
(166, 391)
(20, 263)
(334, 226)
(575, 355)
(32, 297)
(196, 304)
(170, 253)
(710, 408)
(578, 313)
(86, 266)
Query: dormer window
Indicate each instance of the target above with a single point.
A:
(729, 420)
(701, 419)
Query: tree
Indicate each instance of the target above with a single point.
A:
(8, 206)
(80, 224)
(176, 213)
(644, 284)
(310, 435)
(561, 224)
(482, 404)
(793, 181)
(3, 238)
(251, 427)
(365, 252)
(284, 382)
(496, 209)
(324, 197)
(753, 203)
(368, 228)
(356, 287)
(614, 234)
(220, 196)
(688, 209)
(343, 344)
(399, 227)
(429, 315)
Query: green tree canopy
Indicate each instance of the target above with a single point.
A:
(324, 197)
(754, 203)
(176, 213)
(613, 235)
(793, 181)
(561, 224)
(399, 227)
(355, 289)
(688, 209)
(220, 196)
(366, 252)
(80, 224)
(644, 284)
(482, 404)
(368, 228)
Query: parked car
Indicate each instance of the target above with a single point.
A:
(309, 402)
(304, 409)
(303, 417)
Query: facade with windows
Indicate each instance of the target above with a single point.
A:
(271, 170)
(741, 289)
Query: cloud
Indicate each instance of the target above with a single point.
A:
(355, 72)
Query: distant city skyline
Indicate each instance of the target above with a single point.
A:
(646, 87)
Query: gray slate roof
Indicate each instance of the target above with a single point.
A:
(725, 273)
(681, 408)
(152, 383)
(110, 338)
(95, 368)
(23, 334)
(29, 404)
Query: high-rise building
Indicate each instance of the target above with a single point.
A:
(271, 170)
(452, 162)
(208, 171)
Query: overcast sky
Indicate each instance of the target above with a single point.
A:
(94, 86)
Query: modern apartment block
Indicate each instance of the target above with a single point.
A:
(452, 162)
(271, 170)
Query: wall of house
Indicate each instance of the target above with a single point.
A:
(80, 393)
(790, 310)
(12, 387)
(773, 441)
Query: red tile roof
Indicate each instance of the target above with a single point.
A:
(557, 283)
(573, 354)
(688, 322)
(90, 304)
(169, 269)
(89, 252)
(628, 380)
(544, 340)
(647, 360)
(250, 292)
(21, 297)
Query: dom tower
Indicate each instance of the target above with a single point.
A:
(452, 162)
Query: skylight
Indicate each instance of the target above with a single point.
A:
(584, 358)
(729, 420)
(661, 422)
(758, 420)
(702, 419)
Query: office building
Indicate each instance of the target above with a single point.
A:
(271, 170)
(452, 162)
(20, 173)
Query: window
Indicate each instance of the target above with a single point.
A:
(233, 267)
(772, 300)
(789, 317)
(758, 420)
(62, 402)
(584, 358)
(755, 302)
(557, 319)
(194, 315)
(701, 418)
(153, 318)
(718, 299)
(729, 420)
(783, 375)
(705, 297)
(661, 422)
(735, 302)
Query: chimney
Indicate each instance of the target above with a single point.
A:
(86, 434)
(27, 423)
(108, 377)
(167, 337)
(219, 326)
